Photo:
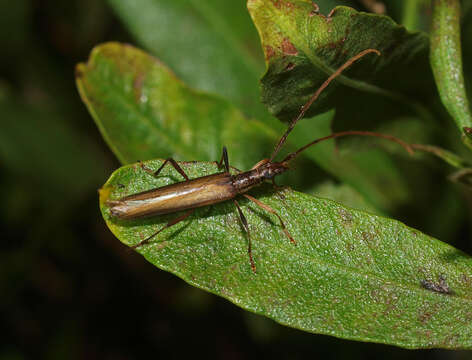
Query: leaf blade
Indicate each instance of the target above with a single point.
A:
(144, 112)
(302, 47)
(352, 274)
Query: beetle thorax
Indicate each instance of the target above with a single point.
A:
(270, 170)
(259, 173)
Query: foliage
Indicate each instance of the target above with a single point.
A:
(352, 274)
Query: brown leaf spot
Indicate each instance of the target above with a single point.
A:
(162, 245)
(390, 303)
(269, 52)
(376, 296)
(466, 280)
(346, 216)
(369, 239)
(277, 3)
(138, 86)
(468, 316)
(424, 317)
(288, 48)
(349, 246)
(451, 341)
(289, 6)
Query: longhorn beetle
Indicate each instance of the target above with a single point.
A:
(206, 190)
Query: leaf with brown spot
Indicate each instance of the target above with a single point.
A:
(358, 282)
(318, 45)
(144, 111)
(306, 47)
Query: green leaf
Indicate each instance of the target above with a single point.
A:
(210, 44)
(344, 194)
(143, 111)
(303, 47)
(351, 275)
(446, 61)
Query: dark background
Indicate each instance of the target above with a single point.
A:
(69, 289)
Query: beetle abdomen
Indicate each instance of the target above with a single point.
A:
(184, 195)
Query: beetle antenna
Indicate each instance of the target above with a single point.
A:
(406, 146)
(316, 95)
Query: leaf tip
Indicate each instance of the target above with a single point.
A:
(104, 194)
(79, 71)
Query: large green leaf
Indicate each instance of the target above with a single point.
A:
(352, 274)
(144, 112)
(302, 47)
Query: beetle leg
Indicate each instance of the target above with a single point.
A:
(169, 160)
(276, 187)
(224, 158)
(246, 228)
(272, 211)
(168, 225)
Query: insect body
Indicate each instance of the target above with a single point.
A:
(194, 193)
(186, 195)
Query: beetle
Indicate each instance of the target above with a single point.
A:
(211, 189)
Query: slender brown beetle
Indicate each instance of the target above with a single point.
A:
(206, 190)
